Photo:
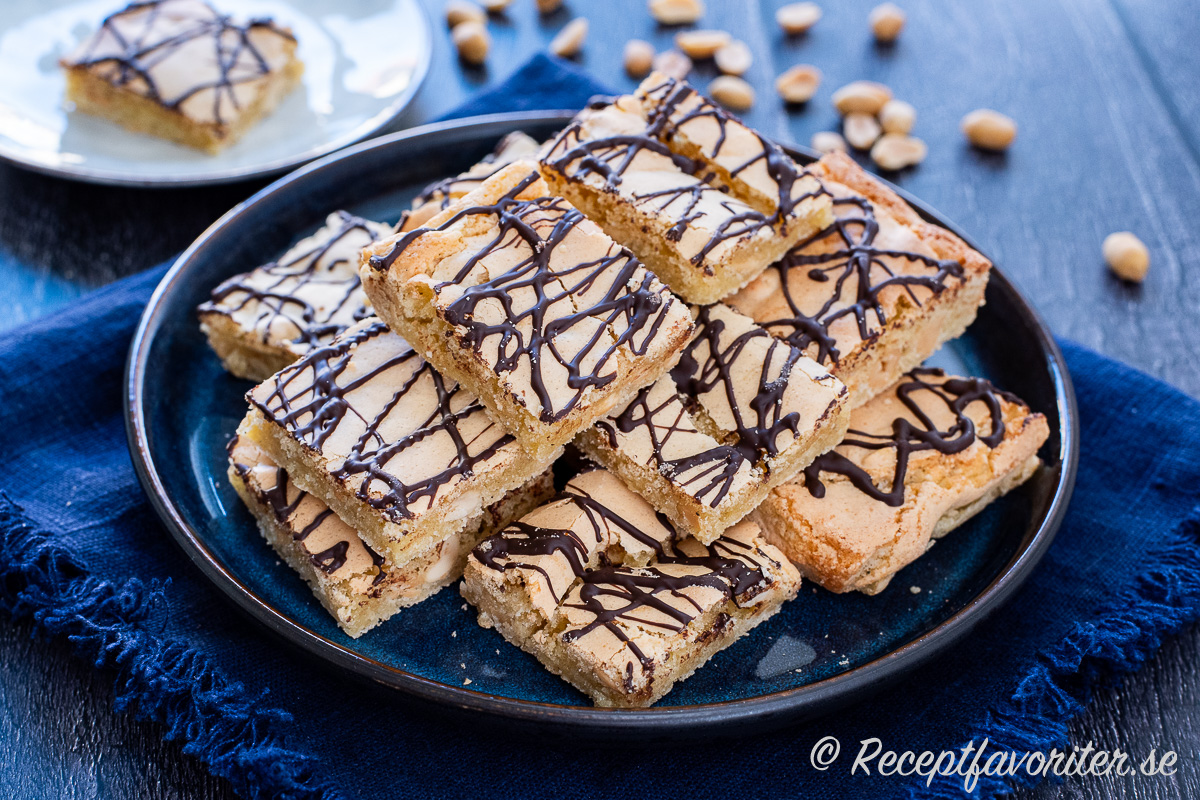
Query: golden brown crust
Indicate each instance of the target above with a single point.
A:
(841, 168)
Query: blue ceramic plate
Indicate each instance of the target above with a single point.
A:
(820, 651)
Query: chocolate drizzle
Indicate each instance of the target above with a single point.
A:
(536, 332)
(279, 294)
(610, 157)
(144, 35)
(613, 592)
(665, 116)
(705, 376)
(309, 399)
(855, 260)
(708, 475)
(507, 150)
(276, 498)
(906, 438)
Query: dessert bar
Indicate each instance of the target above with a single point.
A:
(919, 460)
(405, 456)
(607, 595)
(439, 195)
(739, 158)
(513, 293)
(741, 413)
(357, 585)
(875, 293)
(620, 163)
(263, 320)
(183, 71)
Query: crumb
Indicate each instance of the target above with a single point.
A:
(466, 681)
(915, 589)
(453, 634)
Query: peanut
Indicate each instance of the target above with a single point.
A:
(989, 129)
(460, 11)
(896, 151)
(549, 6)
(828, 142)
(701, 44)
(887, 21)
(734, 58)
(732, 92)
(797, 18)
(472, 41)
(897, 116)
(1127, 256)
(865, 97)
(676, 12)
(639, 57)
(861, 130)
(673, 64)
(569, 41)
(496, 6)
(798, 84)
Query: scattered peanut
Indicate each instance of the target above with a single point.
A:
(732, 92)
(569, 41)
(639, 57)
(828, 142)
(887, 21)
(1127, 256)
(496, 6)
(549, 6)
(676, 12)
(897, 151)
(701, 44)
(864, 97)
(472, 41)
(460, 11)
(897, 116)
(860, 129)
(798, 84)
(673, 64)
(989, 129)
(797, 18)
(734, 58)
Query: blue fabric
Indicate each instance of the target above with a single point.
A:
(82, 554)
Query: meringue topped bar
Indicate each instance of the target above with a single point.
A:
(439, 195)
(357, 585)
(873, 294)
(615, 601)
(919, 460)
(265, 319)
(183, 71)
(621, 163)
(513, 293)
(403, 455)
(741, 413)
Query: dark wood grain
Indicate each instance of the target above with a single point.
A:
(1109, 111)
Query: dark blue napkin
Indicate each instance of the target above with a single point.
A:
(82, 553)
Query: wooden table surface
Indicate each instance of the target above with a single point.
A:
(1107, 97)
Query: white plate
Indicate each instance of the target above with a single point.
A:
(363, 62)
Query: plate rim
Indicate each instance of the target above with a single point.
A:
(368, 129)
(781, 707)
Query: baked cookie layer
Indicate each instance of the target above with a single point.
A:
(405, 456)
(263, 320)
(741, 413)
(183, 71)
(919, 460)
(872, 295)
(618, 603)
(515, 294)
(702, 224)
(355, 584)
